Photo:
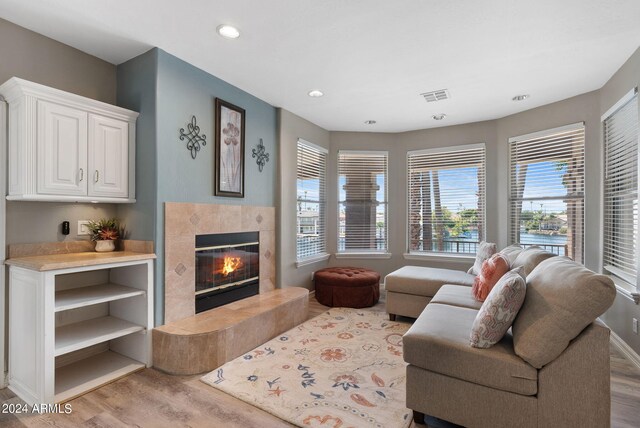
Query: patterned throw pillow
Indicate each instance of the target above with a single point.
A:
(485, 250)
(499, 310)
(492, 270)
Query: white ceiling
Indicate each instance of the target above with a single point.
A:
(372, 58)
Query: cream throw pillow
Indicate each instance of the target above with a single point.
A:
(485, 251)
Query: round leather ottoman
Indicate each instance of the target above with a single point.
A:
(349, 287)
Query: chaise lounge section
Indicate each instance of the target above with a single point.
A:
(411, 288)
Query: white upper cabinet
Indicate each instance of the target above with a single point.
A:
(62, 150)
(108, 157)
(64, 147)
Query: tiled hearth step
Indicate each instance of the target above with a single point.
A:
(202, 342)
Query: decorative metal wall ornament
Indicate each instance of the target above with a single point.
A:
(194, 139)
(260, 154)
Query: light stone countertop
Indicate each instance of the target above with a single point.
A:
(73, 260)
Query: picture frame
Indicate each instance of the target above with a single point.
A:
(229, 150)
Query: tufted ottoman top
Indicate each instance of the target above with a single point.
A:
(347, 276)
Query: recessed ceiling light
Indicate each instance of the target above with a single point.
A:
(370, 122)
(316, 93)
(228, 31)
(439, 116)
(520, 97)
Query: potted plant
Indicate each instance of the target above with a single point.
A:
(105, 232)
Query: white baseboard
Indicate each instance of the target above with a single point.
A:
(312, 293)
(625, 349)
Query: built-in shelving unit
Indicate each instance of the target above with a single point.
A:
(76, 328)
(80, 335)
(89, 373)
(85, 296)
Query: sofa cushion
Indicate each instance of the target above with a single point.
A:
(485, 250)
(456, 295)
(492, 271)
(531, 257)
(563, 297)
(438, 341)
(423, 281)
(499, 310)
(512, 252)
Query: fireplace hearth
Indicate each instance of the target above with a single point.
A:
(227, 268)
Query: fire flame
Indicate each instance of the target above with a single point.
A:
(231, 264)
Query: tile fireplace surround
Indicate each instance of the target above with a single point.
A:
(183, 221)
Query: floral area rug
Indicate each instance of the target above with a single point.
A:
(341, 369)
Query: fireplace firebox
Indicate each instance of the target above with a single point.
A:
(227, 268)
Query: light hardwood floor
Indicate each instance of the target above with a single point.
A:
(150, 398)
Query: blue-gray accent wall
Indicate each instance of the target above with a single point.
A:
(136, 80)
(165, 170)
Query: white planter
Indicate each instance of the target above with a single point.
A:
(104, 246)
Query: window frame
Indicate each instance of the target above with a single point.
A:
(444, 255)
(322, 254)
(363, 252)
(510, 200)
(623, 285)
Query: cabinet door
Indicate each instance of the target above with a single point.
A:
(62, 150)
(108, 157)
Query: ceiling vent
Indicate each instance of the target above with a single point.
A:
(439, 95)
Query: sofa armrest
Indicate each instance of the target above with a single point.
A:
(574, 389)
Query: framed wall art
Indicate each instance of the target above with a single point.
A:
(229, 162)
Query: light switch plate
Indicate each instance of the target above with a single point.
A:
(83, 229)
(635, 325)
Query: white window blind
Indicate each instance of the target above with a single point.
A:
(546, 183)
(311, 200)
(446, 199)
(621, 191)
(362, 201)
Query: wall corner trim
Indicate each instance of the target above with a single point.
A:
(625, 349)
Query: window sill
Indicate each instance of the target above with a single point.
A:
(440, 257)
(626, 290)
(363, 255)
(313, 259)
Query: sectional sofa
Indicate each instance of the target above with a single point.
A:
(550, 369)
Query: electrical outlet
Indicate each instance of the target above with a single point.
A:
(635, 325)
(312, 275)
(83, 230)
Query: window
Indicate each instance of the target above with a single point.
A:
(446, 189)
(362, 202)
(311, 200)
(546, 190)
(620, 127)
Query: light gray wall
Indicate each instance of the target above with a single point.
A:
(620, 316)
(31, 56)
(31, 222)
(34, 57)
(290, 129)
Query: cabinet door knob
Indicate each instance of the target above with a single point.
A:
(96, 176)
(81, 174)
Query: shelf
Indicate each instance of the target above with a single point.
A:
(80, 335)
(85, 375)
(85, 296)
